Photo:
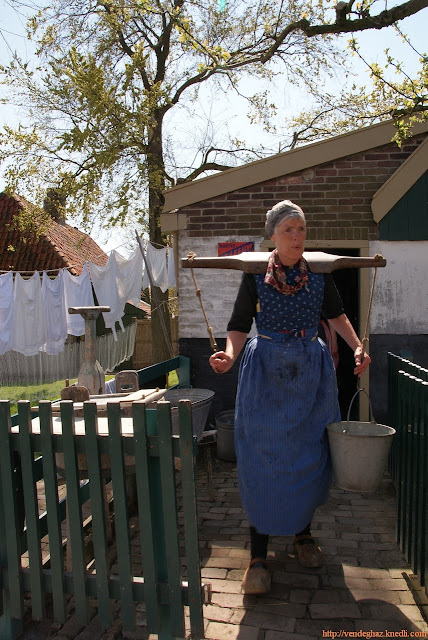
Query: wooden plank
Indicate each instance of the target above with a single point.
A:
(38, 608)
(424, 530)
(125, 401)
(99, 533)
(169, 505)
(188, 483)
(419, 500)
(413, 471)
(157, 370)
(10, 627)
(123, 540)
(158, 524)
(257, 261)
(12, 531)
(146, 511)
(407, 459)
(74, 511)
(143, 394)
(412, 468)
(184, 372)
(138, 587)
(53, 511)
(402, 484)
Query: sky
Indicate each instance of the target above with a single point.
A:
(373, 43)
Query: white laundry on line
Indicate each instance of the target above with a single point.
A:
(104, 280)
(29, 327)
(162, 268)
(78, 293)
(56, 316)
(129, 276)
(6, 311)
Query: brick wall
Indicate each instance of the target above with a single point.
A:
(335, 197)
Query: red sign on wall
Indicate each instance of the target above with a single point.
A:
(234, 248)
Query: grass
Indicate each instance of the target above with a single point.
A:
(33, 392)
(172, 378)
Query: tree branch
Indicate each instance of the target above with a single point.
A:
(127, 49)
(384, 19)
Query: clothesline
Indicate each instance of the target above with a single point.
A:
(34, 312)
(73, 266)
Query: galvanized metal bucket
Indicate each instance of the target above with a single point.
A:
(359, 452)
(201, 402)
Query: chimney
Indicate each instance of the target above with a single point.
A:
(54, 205)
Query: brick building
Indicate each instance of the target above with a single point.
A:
(362, 195)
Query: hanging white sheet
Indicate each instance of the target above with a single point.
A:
(104, 280)
(171, 268)
(56, 317)
(129, 277)
(78, 293)
(6, 311)
(29, 327)
(156, 262)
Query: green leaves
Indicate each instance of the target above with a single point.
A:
(110, 73)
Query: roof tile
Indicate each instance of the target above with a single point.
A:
(59, 246)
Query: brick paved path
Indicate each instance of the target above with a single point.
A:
(365, 584)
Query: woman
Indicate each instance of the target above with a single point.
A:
(287, 393)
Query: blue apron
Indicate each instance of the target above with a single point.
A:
(287, 394)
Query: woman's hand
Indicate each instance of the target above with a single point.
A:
(221, 362)
(344, 328)
(362, 361)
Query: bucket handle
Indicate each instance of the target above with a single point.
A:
(352, 402)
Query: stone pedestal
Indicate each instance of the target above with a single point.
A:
(91, 374)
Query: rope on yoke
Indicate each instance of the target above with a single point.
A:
(191, 256)
(365, 340)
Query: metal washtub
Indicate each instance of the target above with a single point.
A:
(201, 402)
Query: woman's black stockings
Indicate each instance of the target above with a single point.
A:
(259, 541)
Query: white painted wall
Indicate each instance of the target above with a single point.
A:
(400, 303)
(218, 288)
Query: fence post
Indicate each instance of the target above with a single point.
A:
(408, 405)
(424, 516)
(9, 627)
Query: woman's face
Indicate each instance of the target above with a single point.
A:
(289, 238)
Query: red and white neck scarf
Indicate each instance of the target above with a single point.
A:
(276, 275)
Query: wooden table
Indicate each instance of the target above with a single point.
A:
(148, 395)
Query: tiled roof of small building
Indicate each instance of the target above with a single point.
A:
(59, 245)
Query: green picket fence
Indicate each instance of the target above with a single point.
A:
(161, 588)
(408, 406)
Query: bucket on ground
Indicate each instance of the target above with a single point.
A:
(359, 452)
(225, 424)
